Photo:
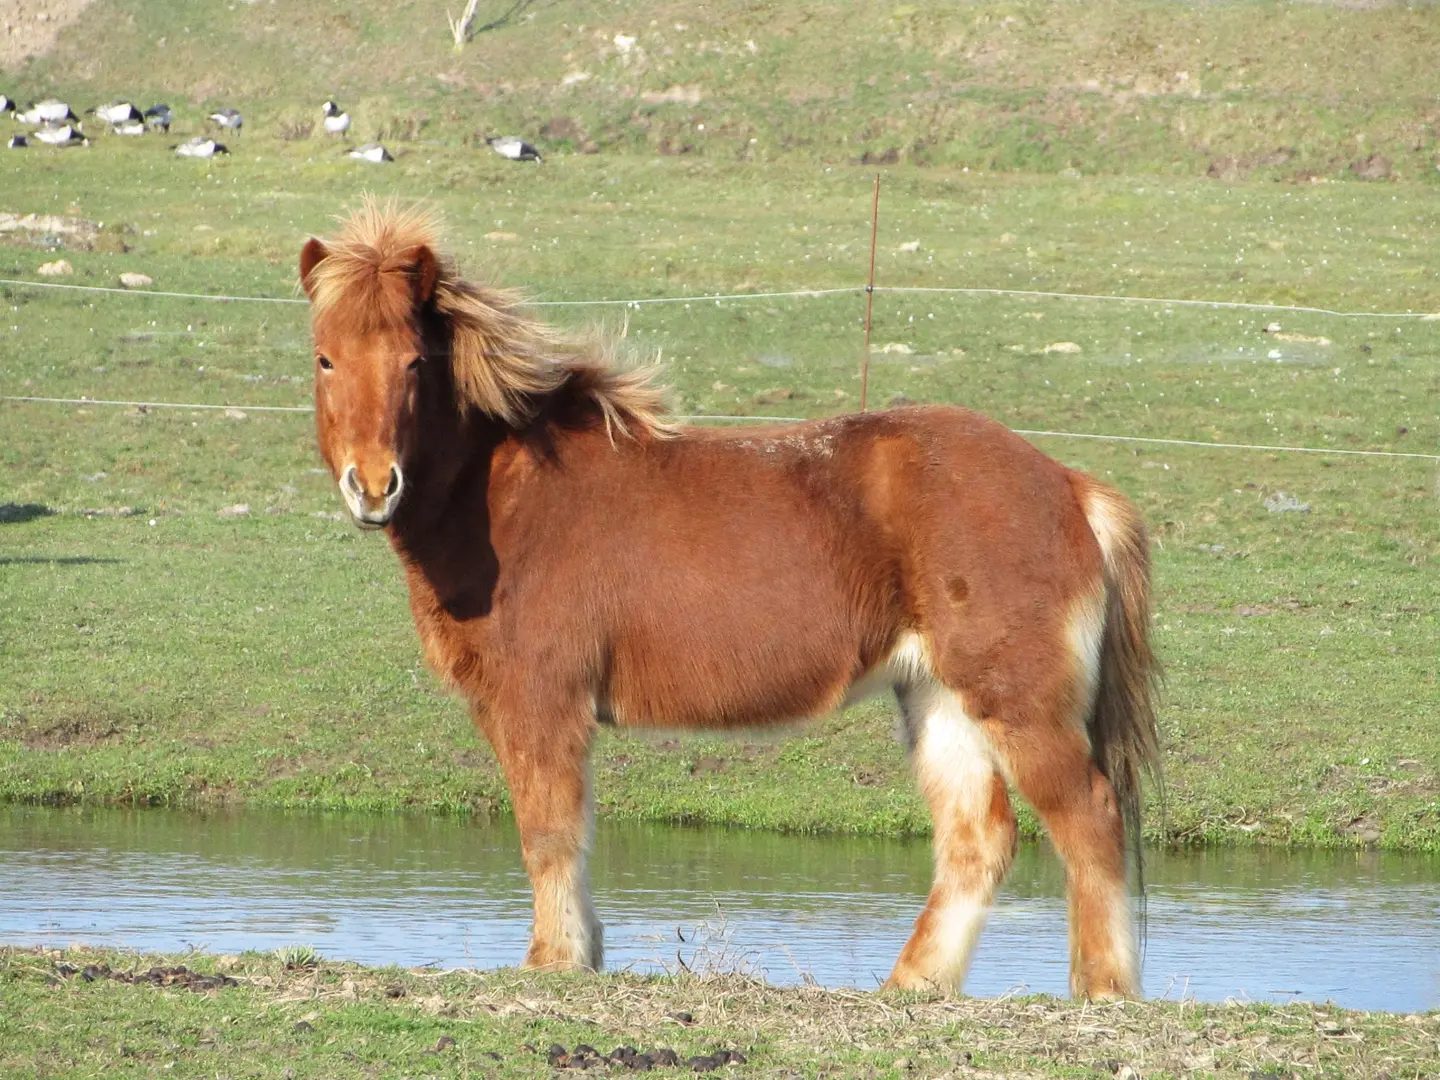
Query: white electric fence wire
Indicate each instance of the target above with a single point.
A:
(1099, 437)
(721, 297)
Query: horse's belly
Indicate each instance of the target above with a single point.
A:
(795, 673)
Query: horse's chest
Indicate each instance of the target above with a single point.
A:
(448, 641)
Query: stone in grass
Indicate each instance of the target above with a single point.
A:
(1068, 347)
(131, 280)
(1282, 502)
(58, 268)
(234, 414)
(238, 510)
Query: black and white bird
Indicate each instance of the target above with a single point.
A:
(336, 122)
(513, 148)
(372, 152)
(49, 111)
(17, 142)
(159, 117)
(201, 147)
(229, 119)
(61, 135)
(116, 113)
(129, 127)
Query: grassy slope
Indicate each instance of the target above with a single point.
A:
(1035, 86)
(269, 657)
(343, 1020)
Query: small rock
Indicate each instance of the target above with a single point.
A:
(1272, 328)
(909, 245)
(240, 510)
(1375, 167)
(235, 414)
(302, 1026)
(1062, 347)
(1284, 503)
(501, 236)
(896, 347)
(445, 1042)
(132, 280)
(58, 268)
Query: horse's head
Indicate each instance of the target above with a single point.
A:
(367, 300)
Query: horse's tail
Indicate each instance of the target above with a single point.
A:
(1124, 736)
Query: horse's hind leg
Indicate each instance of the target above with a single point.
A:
(548, 771)
(1057, 774)
(974, 836)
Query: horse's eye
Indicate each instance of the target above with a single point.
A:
(415, 364)
(325, 363)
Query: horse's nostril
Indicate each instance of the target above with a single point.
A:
(350, 480)
(394, 484)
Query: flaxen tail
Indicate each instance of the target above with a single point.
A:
(1123, 732)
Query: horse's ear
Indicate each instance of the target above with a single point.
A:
(311, 256)
(424, 272)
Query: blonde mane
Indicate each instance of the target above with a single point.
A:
(502, 362)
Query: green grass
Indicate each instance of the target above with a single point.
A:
(268, 657)
(342, 1020)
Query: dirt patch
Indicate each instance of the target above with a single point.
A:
(28, 28)
(156, 976)
(72, 732)
(49, 230)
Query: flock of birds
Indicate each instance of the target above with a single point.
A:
(54, 123)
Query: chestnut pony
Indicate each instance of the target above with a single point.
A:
(574, 560)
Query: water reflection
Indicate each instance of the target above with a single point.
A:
(1359, 928)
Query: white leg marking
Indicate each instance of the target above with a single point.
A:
(955, 766)
(562, 902)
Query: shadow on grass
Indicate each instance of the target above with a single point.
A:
(53, 560)
(19, 513)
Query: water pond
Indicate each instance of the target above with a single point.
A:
(1358, 928)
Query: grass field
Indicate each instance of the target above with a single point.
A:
(160, 645)
(87, 1014)
(268, 655)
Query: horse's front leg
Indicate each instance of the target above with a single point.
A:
(547, 763)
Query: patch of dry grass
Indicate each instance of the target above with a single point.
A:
(343, 1019)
